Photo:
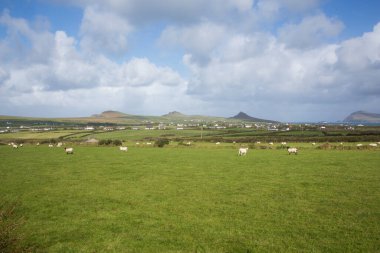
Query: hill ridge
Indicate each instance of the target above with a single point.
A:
(244, 116)
(363, 116)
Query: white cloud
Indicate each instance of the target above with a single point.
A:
(259, 70)
(233, 59)
(103, 31)
(359, 64)
(141, 72)
(201, 39)
(311, 32)
(70, 80)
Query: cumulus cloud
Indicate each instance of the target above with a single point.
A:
(68, 76)
(103, 31)
(260, 70)
(359, 63)
(311, 32)
(231, 60)
(201, 39)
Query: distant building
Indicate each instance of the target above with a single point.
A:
(149, 127)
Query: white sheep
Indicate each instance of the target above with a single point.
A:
(123, 149)
(242, 151)
(373, 144)
(69, 150)
(292, 151)
(50, 145)
(14, 146)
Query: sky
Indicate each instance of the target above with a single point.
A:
(285, 60)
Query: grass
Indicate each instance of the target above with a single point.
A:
(43, 135)
(194, 199)
(149, 134)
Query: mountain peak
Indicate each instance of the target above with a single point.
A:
(173, 114)
(241, 115)
(110, 114)
(362, 116)
(244, 116)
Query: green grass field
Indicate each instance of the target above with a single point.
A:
(194, 199)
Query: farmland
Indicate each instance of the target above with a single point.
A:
(195, 194)
(194, 199)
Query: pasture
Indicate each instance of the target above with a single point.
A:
(187, 199)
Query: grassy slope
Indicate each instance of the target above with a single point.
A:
(154, 200)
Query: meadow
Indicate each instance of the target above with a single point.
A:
(194, 199)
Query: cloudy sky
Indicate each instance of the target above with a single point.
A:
(287, 60)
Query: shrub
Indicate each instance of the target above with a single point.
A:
(117, 143)
(161, 142)
(105, 142)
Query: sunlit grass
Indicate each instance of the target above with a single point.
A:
(195, 199)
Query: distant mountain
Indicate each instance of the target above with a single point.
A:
(115, 117)
(110, 114)
(174, 114)
(364, 117)
(246, 117)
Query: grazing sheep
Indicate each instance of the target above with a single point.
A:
(59, 144)
(372, 145)
(270, 143)
(242, 151)
(123, 149)
(14, 146)
(217, 143)
(69, 151)
(292, 151)
(313, 143)
(359, 145)
(50, 145)
(283, 143)
(38, 144)
(21, 145)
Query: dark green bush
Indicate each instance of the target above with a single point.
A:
(117, 142)
(161, 142)
(105, 142)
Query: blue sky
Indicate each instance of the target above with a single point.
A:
(287, 60)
